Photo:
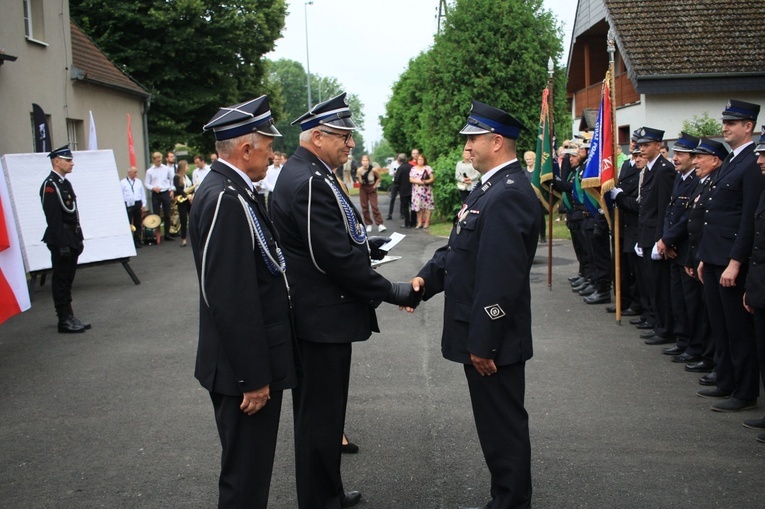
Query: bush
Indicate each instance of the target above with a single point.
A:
(385, 181)
(445, 193)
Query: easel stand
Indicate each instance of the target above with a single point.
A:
(42, 273)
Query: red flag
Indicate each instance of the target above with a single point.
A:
(607, 170)
(131, 146)
(14, 294)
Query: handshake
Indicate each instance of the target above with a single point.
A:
(404, 295)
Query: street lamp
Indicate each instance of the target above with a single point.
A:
(307, 61)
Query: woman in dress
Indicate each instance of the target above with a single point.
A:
(368, 178)
(422, 177)
(183, 199)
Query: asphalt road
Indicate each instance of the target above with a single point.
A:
(114, 418)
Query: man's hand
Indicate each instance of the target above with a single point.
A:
(700, 272)
(155, 189)
(255, 400)
(403, 295)
(418, 285)
(729, 275)
(745, 306)
(485, 367)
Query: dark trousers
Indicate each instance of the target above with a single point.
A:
(249, 445)
(641, 279)
(393, 194)
(162, 200)
(599, 252)
(630, 297)
(680, 313)
(64, 269)
(319, 403)
(183, 216)
(759, 334)
(134, 217)
(699, 340)
(733, 330)
(503, 430)
(406, 211)
(576, 227)
(658, 287)
(542, 222)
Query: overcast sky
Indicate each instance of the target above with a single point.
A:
(367, 44)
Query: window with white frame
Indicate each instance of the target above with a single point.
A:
(34, 21)
(74, 132)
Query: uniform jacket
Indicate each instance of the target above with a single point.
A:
(732, 201)
(755, 278)
(695, 220)
(59, 204)
(675, 232)
(654, 198)
(335, 290)
(402, 180)
(629, 179)
(484, 272)
(245, 337)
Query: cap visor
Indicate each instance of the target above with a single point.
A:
(473, 129)
(344, 123)
(269, 130)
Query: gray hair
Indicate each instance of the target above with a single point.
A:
(225, 148)
(305, 136)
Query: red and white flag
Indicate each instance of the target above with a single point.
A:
(131, 146)
(14, 292)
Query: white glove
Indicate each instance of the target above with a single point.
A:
(655, 253)
(638, 251)
(615, 192)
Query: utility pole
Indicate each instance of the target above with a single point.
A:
(441, 13)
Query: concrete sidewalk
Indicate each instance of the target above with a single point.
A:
(113, 418)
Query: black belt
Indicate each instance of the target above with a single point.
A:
(71, 227)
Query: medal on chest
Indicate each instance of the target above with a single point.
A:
(461, 215)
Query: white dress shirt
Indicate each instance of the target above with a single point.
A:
(159, 176)
(132, 191)
(199, 174)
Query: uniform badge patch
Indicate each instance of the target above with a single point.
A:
(494, 311)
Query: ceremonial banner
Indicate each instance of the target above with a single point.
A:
(14, 293)
(42, 133)
(598, 176)
(131, 146)
(92, 138)
(546, 163)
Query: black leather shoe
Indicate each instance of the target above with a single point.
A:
(581, 286)
(389, 218)
(685, 358)
(647, 335)
(644, 326)
(703, 366)
(610, 309)
(67, 326)
(630, 312)
(754, 423)
(761, 438)
(571, 279)
(709, 379)
(579, 281)
(350, 498)
(166, 237)
(734, 405)
(77, 321)
(714, 393)
(658, 340)
(598, 298)
(349, 448)
(672, 350)
(588, 290)
(636, 321)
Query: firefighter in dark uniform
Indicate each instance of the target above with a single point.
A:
(724, 251)
(484, 274)
(655, 192)
(708, 157)
(245, 356)
(335, 293)
(63, 236)
(691, 324)
(754, 298)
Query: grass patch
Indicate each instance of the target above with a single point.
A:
(444, 228)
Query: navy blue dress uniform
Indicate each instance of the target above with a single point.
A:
(63, 236)
(484, 274)
(691, 324)
(728, 234)
(245, 333)
(755, 279)
(634, 297)
(655, 192)
(575, 212)
(335, 293)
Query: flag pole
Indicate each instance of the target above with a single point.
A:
(550, 73)
(616, 226)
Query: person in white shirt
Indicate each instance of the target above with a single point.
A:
(201, 171)
(134, 196)
(159, 178)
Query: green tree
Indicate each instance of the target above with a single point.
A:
(494, 51)
(702, 126)
(289, 78)
(193, 55)
(382, 151)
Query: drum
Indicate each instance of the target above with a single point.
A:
(151, 229)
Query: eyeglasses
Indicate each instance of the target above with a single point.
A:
(346, 137)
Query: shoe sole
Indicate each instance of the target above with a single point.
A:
(752, 427)
(732, 410)
(708, 396)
